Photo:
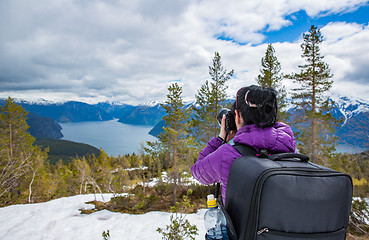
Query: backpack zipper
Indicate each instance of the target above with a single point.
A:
(261, 231)
(302, 235)
(254, 216)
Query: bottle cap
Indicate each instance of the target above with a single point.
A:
(211, 201)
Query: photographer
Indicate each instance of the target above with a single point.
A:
(253, 122)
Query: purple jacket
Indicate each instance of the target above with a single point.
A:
(214, 162)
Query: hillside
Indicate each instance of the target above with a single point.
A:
(43, 127)
(65, 150)
(157, 129)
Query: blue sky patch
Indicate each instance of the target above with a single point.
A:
(301, 23)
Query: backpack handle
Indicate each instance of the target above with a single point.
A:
(285, 156)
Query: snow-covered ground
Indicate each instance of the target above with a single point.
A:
(61, 219)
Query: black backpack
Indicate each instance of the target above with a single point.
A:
(285, 197)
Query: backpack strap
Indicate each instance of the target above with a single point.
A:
(244, 150)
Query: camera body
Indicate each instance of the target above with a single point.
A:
(230, 122)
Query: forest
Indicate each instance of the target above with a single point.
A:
(158, 176)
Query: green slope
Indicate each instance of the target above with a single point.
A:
(65, 150)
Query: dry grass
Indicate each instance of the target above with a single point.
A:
(352, 237)
(141, 200)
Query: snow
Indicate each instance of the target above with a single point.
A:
(61, 219)
(186, 180)
(153, 103)
(38, 101)
(136, 168)
(351, 106)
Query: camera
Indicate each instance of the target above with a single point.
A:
(230, 123)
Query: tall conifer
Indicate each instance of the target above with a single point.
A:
(314, 121)
(19, 159)
(271, 76)
(174, 141)
(210, 98)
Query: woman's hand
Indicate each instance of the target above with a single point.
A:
(223, 131)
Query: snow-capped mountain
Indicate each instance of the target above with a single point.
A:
(354, 111)
(354, 131)
(351, 107)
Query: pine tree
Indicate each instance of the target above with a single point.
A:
(271, 76)
(210, 98)
(19, 159)
(157, 152)
(174, 141)
(62, 179)
(314, 121)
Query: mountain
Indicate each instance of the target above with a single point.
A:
(157, 129)
(67, 112)
(355, 113)
(351, 108)
(143, 115)
(43, 127)
(72, 111)
(116, 110)
(355, 128)
(147, 114)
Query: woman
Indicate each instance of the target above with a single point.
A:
(255, 111)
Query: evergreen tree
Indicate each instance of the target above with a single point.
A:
(63, 180)
(210, 98)
(174, 141)
(156, 151)
(19, 159)
(314, 120)
(271, 76)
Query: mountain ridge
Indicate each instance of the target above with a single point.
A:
(352, 110)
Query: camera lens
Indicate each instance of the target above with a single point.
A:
(230, 123)
(223, 111)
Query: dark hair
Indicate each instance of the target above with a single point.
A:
(261, 106)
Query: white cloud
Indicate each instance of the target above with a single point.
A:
(347, 52)
(318, 7)
(334, 32)
(130, 50)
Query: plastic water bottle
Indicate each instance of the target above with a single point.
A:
(215, 221)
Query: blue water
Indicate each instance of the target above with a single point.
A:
(118, 139)
(113, 137)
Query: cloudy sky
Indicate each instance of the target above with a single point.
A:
(131, 51)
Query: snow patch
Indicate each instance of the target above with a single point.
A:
(60, 219)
